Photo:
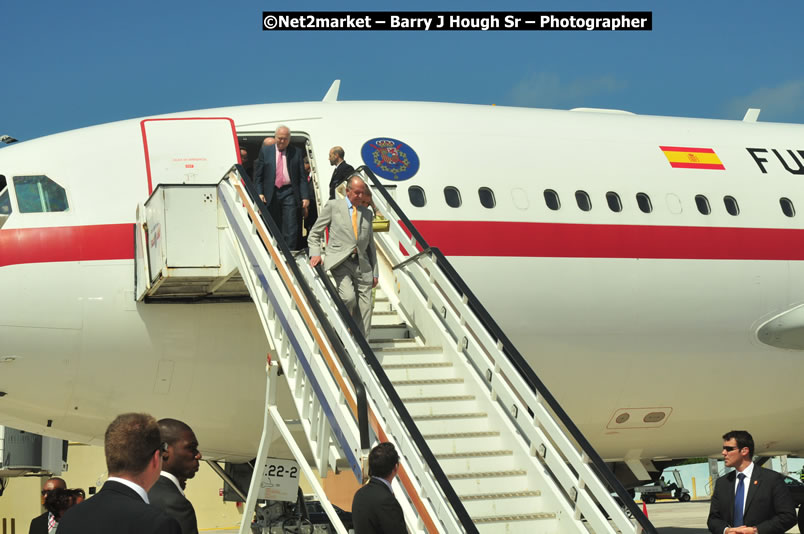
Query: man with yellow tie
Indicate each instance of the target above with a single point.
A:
(350, 253)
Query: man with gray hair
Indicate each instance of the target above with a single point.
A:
(351, 255)
(281, 183)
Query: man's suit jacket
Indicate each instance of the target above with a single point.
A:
(39, 524)
(375, 510)
(341, 173)
(265, 172)
(167, 497)
(335, 215)
(116, 508)
(768, 504)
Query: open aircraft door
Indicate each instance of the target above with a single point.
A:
(195, 150)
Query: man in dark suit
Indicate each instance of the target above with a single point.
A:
(342, 170)
(750, 499)
(375, 510)
(133, 449)
(281, 183)
(41, 524)
(179, 463)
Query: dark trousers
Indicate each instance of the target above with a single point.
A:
(286, 211)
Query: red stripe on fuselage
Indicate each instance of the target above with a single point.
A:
(463, 238)
(66, 243)
(553, 240)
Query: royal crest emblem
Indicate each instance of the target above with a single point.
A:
(390, 159)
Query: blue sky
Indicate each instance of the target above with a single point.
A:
(71, 64)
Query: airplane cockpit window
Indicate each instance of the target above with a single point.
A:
(731, 205)
(551, 199)
(486, 197)
(38, 194)
(452, 196)
(644, 203)
(615, 204)
(703, 204)
(416, 196)
(583, 200)
(787, 207)
(5, 201)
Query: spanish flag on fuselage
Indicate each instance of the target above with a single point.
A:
(681, 157)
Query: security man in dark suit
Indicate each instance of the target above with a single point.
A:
(375, 510)
(750, 499)
(40, 524)
(179, 463)
(282, 184)
(343, 171)
(134, 450)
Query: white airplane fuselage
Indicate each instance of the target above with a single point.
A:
(617, 312)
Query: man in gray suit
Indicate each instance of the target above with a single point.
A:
(351, 255)
(179, 463)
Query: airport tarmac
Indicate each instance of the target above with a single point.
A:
(669, 517)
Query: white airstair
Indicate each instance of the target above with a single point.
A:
(484, 446)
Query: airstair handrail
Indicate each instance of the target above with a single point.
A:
(329, 331)
(399, 406)
(512, 354)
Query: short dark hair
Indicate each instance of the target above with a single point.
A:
(382, 460)
(743, 439)
(338, 151)
(172, 429)
(59, 501)
(130, 443)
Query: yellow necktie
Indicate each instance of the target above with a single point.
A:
(354, 220)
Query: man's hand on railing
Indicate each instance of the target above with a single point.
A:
(316, 260)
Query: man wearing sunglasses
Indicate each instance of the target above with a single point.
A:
(750, 499)
(41, 524)
(134, 448)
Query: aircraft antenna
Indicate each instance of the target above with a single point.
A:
(751, 115)
(332, 94)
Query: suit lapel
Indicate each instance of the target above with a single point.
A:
(732, 477)
(753, 487)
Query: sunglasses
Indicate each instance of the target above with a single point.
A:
(162, 447)
(729, 448)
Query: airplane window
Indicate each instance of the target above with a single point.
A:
(787, 207)
(703, 204)
(731, 205)
(38, 194)
(452, 196)
(486, 197)
(5, 201)
(416, 196)
(644, 203)
(551, 199)
(583, 200)
(614, 202)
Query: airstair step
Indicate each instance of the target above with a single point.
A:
(514, 517)
(461, 435)
(507, 507)
(444, 408)
(424, 349)
(442, 398)
(500, 495)
(478, 463)
(422, 365)
(456, 446)
(413, 371)
(411, 357)
(385, 331)
(380, 344)
(443, 416)
(474, 454)
(487, 474)
(427, 382)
